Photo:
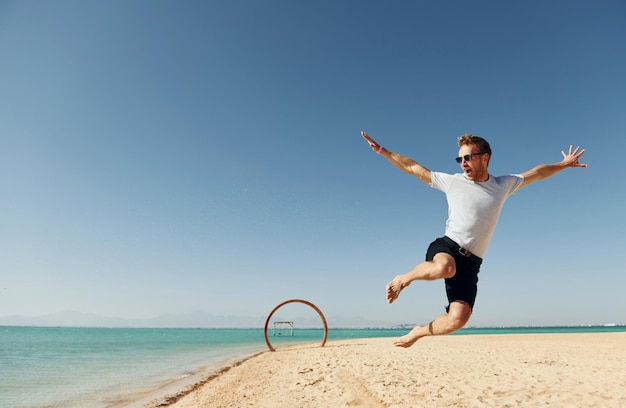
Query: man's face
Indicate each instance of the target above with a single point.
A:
(476, 167)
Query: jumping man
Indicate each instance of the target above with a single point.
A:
(475, 199)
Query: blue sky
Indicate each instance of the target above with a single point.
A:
(161, 157)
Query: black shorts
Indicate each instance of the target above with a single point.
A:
(464, 284)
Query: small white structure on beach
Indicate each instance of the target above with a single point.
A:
(280, 325)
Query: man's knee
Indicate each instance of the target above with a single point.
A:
(459, 314)
(446, 267)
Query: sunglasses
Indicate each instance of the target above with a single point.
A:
(468, 157)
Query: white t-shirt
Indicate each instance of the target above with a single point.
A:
(474, 207)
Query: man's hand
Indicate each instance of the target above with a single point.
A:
(571, 159)
(544, 171)
(406, 164)
(375, 146)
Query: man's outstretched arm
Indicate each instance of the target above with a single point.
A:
(544, 171)
(406, 164)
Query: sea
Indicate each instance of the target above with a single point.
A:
(127, 367)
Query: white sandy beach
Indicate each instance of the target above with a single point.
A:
(521, 370)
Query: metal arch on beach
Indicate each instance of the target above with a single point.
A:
(267, 340)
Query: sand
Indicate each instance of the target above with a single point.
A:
(520, 370)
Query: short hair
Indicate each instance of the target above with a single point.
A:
(482, 144)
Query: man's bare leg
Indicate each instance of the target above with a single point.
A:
(442, 266)
(457, 316)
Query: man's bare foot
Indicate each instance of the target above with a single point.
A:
(409, 339)
(394, 288)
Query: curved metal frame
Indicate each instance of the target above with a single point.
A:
(267, 340)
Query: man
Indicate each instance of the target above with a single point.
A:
(475, 199)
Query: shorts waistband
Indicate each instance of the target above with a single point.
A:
(459, 249)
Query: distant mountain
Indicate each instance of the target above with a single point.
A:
(78, 319)
(189, 320)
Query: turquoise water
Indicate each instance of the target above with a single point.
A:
(106, 367)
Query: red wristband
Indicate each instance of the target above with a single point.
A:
(380, 149)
